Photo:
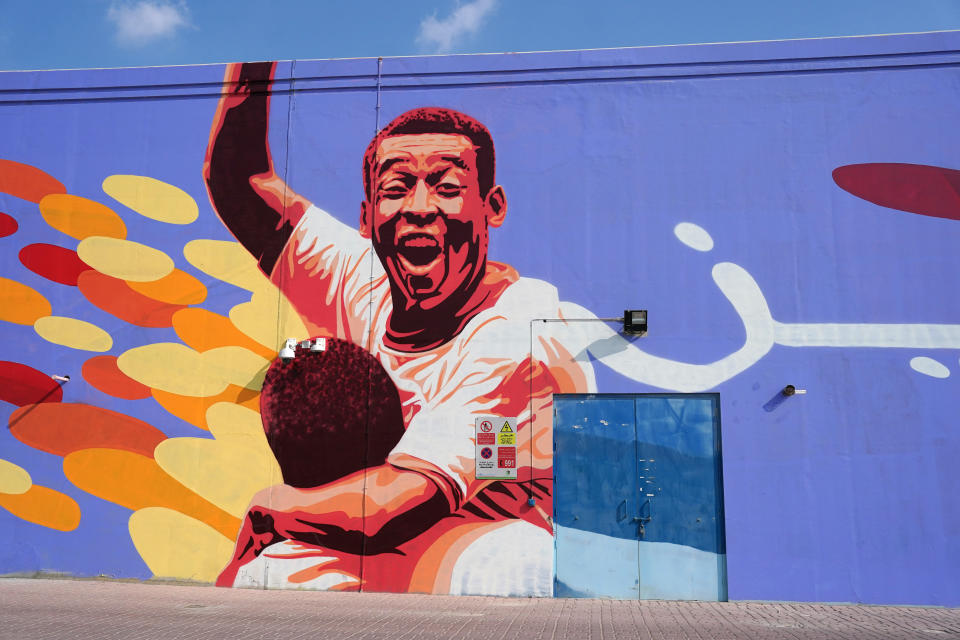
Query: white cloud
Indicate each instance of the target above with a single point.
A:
(143, 21)
(443, 34)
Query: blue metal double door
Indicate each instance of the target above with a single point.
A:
(638, 497)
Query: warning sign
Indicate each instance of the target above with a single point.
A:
(496, 453)
(507, 458)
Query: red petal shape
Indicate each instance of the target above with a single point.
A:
(117, 298)
(23, 181)
(8, 225)
(102, 373)
(22, 385)
(63, 428)
(915, 188)
(53, 263)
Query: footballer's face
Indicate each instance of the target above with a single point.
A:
(426, 216)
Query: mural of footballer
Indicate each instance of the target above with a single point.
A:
(449, 327)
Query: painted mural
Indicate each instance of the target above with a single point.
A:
(165, 231)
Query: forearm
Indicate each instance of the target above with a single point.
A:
(365, 501)
(249, 197)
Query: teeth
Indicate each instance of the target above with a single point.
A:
(418, 241)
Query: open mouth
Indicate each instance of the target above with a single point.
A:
(418, 249)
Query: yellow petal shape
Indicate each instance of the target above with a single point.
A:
(136, 482)
(152, 198)
(15, 479)
(227, 261)
(234, 422)
(236, 365)
(124, 259)
(174, 545)
(73, 333)
(20, 304)
(81, 218)
(226, 473)
(269, 318)
(171, 367)
(177, 287)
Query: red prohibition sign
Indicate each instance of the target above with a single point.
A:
(486, 426)
(486, 452)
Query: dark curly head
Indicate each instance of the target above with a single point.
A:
(330, 413)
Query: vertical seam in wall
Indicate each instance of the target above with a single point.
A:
(286, 172)
(370, 334)
(283, 204)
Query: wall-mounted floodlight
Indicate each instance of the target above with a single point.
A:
(635, 322)
(63, 378)
(319, 344)
(288, 353)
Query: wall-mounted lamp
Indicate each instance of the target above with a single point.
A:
(635, 322)
(289, 350)
(288, 353)
(63, 378)
(790, 390)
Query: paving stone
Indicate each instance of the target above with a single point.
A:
(44, 609)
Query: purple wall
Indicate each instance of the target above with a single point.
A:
(843, 494)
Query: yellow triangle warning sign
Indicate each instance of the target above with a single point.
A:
(506, 428)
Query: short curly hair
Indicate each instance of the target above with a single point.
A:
(436, 120)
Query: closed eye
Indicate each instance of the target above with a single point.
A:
(449, 190)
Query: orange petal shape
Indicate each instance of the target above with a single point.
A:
(43, 506)
(194, 409)
(20, 304)
(178, 287)
(71, 427)
(117, 298)
(23, 181)
(102, 373)
(136, 482)
(81, 218)
(204, 330)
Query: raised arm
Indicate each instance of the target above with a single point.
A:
(252, 200)
(368, 512)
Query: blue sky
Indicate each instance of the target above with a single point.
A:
(48, 34)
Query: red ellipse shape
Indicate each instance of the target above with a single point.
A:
(103, 374)
(914, 188)
(8, 225)
(27, 182)
(117, 298)
(22, 385)
(66, 427)
(53, 263)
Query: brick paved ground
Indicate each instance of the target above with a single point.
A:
(81, 609)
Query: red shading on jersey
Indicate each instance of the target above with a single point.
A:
(23, 181)
(53, 263)
(103, 374)
(8, 226)
(915, 188)
(22, 385)
(116, 298)
(62, 428)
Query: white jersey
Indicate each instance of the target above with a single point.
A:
(332, 277)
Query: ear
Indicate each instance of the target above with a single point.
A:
(496, 202)
(365, 215)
